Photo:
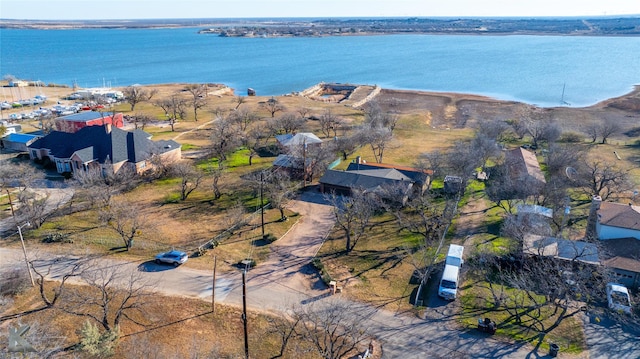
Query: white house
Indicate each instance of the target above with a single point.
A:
(616, 220)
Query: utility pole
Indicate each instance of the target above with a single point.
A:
(261, 202)
(213, 289)
(24, 250)
(244, 314)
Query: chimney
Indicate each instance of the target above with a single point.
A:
(593, 217)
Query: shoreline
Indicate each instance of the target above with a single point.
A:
(629, 101)
(309, 27)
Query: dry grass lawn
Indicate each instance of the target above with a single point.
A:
(172, 328)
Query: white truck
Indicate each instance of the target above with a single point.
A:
(448, 287)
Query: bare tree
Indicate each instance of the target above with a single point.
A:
(43, 267)
(609, 128)
(216, 174)
(559, 157)
(126, 219)
(303, 112)
(243, 118)
(591, 129)
(336, 329)
(19, 176)
(174, 109)
(422, 217)
(198, 98)
(375, 117)
(603, 179)
(239, 100)
(273, 106)
(101, 183)
(280, 190)
(289, 122)
(190, 178)
(485, 148)
(136, 94)
(462, 161)
(493, 129)
(253, 141)
(329, 123)
(542, 129)
(347, 145)
(353, 214)
(224, 139)
(35, 206)
(114, 295)
(435, 162)
(140, 120)
(285, 329)
(506, 188)
(378, 139)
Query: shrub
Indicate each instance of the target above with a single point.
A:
(571, 137)
(95, 343)
(56, 238)
(317, 264)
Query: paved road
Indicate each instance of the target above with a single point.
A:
(285, 280)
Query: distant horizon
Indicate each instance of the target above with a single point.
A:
(111, 10)
(328, 17)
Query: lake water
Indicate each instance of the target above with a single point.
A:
(532, 69)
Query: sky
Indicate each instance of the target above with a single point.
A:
(164, 9)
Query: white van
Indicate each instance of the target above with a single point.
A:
(454, 256)
(448, 288)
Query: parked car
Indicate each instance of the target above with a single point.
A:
(172, 257)
(618, 297)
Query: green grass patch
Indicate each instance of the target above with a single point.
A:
(189, 147)
(171, 198)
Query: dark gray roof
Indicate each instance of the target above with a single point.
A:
(369, 180)
(96, 143)
(287, 161)
(415, 175)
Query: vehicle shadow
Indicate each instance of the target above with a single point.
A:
(151, 266)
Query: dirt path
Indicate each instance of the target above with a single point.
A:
(470, 220)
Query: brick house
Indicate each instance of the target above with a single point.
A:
(73, 123)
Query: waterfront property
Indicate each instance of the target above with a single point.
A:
(101, 147)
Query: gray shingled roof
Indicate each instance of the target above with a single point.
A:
(369, 180)
(96, 143)
(414, 174)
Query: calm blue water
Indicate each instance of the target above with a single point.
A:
(532, 69)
